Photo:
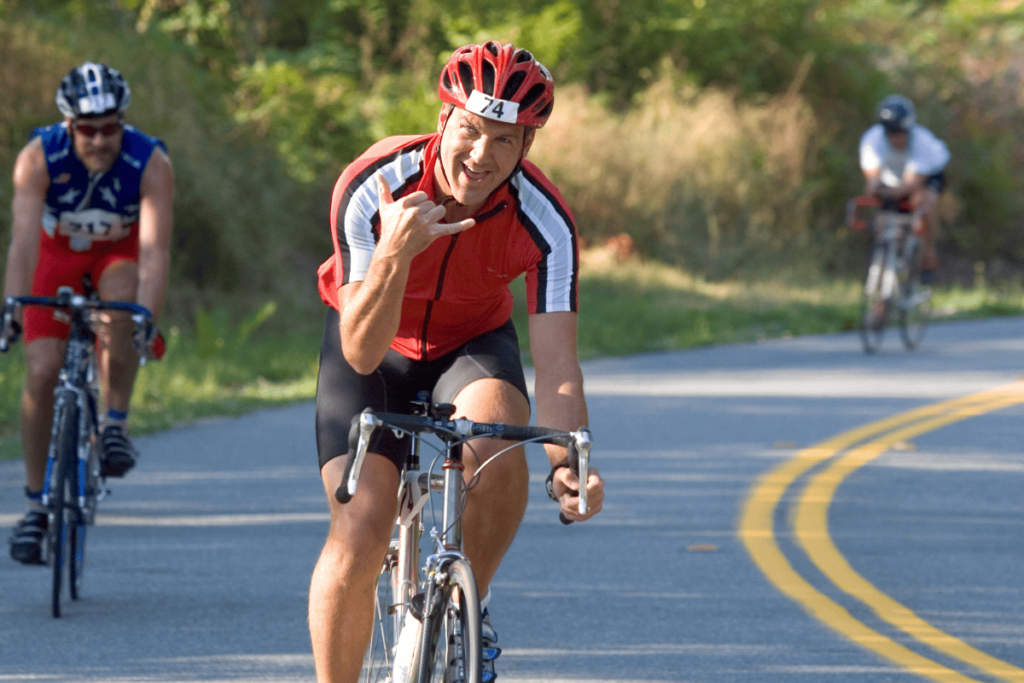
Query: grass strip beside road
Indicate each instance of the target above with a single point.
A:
(224, 369)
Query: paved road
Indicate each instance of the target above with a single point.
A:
(199, 565)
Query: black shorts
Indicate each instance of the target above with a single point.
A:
(342, 393)
(936, 182)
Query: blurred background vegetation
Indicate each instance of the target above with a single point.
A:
(720, 137)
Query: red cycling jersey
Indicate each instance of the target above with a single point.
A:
(458, 286)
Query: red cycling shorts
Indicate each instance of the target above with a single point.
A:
(59, 266)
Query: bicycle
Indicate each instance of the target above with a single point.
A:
(893, 282)
(74, 484)
(427, 618)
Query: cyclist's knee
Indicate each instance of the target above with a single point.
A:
(43, 360)
(363, 526)
(492, 400)
(119, 281)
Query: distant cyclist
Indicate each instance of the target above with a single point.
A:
(901, 159)
(429, 231)
(92, 196)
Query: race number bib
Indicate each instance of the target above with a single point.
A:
(90, 225)
(492, 107)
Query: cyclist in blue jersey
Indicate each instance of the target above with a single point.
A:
(92, 197)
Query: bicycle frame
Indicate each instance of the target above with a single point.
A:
(894, 236)
(429, 589)
(73, 483)
(77, 383)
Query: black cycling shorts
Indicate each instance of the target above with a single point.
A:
(342, 393)
(936, 182)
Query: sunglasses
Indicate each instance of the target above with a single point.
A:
(106, 130)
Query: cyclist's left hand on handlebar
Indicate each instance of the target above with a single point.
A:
(566, 486)
(148, 341)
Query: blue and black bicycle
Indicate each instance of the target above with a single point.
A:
(74, 483)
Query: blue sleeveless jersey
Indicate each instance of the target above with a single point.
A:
(88, 209)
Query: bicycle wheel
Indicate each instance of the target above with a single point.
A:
(63, 515)
(915, 301)
(379, 658)
(85, 515)
(875, 308)
(451, 630)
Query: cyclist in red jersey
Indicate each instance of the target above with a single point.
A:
(92, 196)
(428, 233)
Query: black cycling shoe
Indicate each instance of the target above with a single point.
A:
(928, 277)
(27, 538)
(118, 453)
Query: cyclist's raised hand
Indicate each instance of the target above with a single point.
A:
(566, 485)
(410, 224)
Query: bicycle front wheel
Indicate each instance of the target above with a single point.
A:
(85, 516)
(63, 498)
(915, 302)
(875, 308)
(452, 632)
(379, 659)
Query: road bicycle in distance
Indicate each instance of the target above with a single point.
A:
(893, 291)
(73, 484)
(427, 616)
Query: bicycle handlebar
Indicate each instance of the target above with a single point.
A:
(577, 443)
(66, 298)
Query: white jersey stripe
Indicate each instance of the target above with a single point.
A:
(542, 212)
(364, 204)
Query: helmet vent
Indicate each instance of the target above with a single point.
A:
(515, 81)
(466, 77)
(535, 92)
(487, 76)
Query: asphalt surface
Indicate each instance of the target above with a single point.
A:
(199, 565)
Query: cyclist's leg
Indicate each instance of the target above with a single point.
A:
(44, 356)
(926, 200)
(45, 335)
(497, 502)
(118, 361)
(342, 589)
(116, 274)
(484, 379)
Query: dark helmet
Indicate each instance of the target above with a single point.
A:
(93, 90)
(896, 114)
(498, 82)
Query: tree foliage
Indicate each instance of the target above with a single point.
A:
(317, 81)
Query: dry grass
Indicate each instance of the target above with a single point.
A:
(699, 178)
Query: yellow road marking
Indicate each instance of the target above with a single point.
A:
(757, 531)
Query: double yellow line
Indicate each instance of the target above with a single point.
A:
(839, 457)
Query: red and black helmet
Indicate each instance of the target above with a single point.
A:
(498, 82)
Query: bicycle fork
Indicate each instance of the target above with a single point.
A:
(882, 272)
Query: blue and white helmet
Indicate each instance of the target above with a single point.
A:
(93, 90)
(896, 114)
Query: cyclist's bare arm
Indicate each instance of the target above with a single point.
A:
(561, 404)
(156, 223)
(31, 182)
(371, 309)
(910, 184)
